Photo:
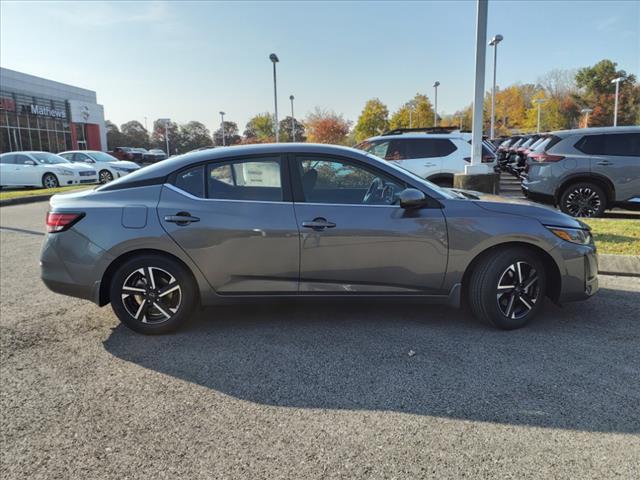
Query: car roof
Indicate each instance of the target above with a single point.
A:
(82, 151)
(596, 130)
(460, 135)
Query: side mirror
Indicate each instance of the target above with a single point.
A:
(30, 162)
(412, 198)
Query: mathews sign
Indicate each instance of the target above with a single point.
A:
(44, 111)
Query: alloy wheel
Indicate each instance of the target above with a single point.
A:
(518, 290)
(105, 176)
(50, 181)
(151, 295)
(583, 202)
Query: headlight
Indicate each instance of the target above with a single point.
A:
(65, 172)
(122, 169)
(573, 235)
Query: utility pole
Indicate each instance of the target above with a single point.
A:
(274, 59)
(293, 121)
(222, 125)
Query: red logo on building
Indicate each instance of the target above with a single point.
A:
(7, 104)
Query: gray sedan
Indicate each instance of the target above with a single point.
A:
(301, 220)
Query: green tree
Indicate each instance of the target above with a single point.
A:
(421, 113)
(135, 134)
(115, 138)
(160, 131)
(598, 93)
(373, 120)
(231, 134)
(192, 135)
(260, 129)
(285, 130)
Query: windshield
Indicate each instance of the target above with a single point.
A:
(102, 157)
(49, 158)
(155, 150)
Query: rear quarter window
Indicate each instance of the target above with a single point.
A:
(615, 144)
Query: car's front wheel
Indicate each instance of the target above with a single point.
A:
(583, 200)
(507, 288)
(105, 176)
(153, 294)
(49, 180)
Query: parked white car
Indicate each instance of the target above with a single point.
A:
(108, 167)
(42, 169)
(433, 156)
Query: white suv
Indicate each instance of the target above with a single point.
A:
(433, 156)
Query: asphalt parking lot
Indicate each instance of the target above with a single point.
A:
(311, 390)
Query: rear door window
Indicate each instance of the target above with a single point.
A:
(257, 179)
(615, 144)
(7, 159)
(191, 181)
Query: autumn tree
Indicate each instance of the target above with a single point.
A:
(373, 120)
(417, 113)
(325, 126)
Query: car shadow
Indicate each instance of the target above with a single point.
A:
(576, 367)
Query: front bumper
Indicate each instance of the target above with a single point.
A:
(579, 271)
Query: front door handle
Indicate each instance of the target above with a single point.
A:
(604, 162)
(318, 224)
(181, 218)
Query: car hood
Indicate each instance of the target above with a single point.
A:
(124, 164)
(514, 206)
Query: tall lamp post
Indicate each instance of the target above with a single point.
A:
(166, 122)
(274, 59)
(222, 125)
(586, 112)
(615, 108)
(293, 121)
(435, 110)
(539, 101)
(494, 43)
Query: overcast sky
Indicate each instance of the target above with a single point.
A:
(189, 60)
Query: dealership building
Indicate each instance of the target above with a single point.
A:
(40, 114)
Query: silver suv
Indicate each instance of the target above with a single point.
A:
(586, 171)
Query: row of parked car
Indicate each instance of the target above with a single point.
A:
(584, 172)
(141, 155)
(49, 170)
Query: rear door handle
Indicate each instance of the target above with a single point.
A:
(604, 162)
(318, 224)
(181, 218)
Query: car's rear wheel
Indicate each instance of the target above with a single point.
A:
(49, 180)
(153, 294)
(105, 176)
(583, 200)
(507, 288)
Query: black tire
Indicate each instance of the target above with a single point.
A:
(445, 182)
(491, 304)
(169, 311)
(49, 180)
(583, 199)
(105, 176)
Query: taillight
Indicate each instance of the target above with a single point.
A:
(59, 222)
(488, 158)
(545, 158)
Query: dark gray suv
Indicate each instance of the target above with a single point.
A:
(586, 171)
(301, 220)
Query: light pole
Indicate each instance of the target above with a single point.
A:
(274, 59)
(615, 108)
(410, 116)
(586, 112)
(494, 43)
(222, 125)
(435, 110)
(539, 101)
(166, 122)
(293, 121)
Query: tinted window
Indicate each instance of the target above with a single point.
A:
(191, 181)
(251, 179)
(7, 159)
(618, 144)
(405, 149)
(344, 182)
(67, 156)
(377, 147)
(22, 160)
(79, 157)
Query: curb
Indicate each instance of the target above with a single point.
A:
(624, 265)
(23, 200)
